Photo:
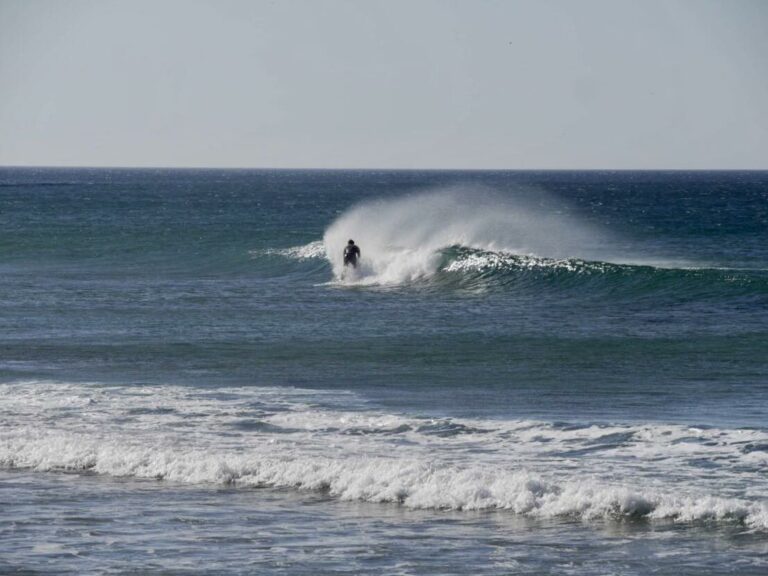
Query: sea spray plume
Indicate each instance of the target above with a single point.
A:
(401, 238)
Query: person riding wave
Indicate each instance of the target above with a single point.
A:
(351, 254)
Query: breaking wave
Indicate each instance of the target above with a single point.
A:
(402, 239)
(463, 267)
(293, 438)
(480, 240)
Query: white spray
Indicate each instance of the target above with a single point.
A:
(401, 238)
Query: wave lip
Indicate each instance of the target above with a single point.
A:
(309, 440)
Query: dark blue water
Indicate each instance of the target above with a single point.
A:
(510, 332)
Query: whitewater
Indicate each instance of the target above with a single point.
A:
(253, 437)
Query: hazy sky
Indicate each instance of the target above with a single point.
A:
(363, 83)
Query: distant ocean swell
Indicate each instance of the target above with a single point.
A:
(281, 438)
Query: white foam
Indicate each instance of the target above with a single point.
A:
(303, 439)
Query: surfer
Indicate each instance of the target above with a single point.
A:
(351, 254)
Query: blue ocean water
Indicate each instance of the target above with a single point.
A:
(529, 372)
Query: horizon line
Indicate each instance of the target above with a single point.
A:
(368, 169)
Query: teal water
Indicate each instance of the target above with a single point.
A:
(578, 357)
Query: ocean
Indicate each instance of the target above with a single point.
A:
(531, 372)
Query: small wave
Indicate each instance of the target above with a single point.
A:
(40, 184)
(313, 250)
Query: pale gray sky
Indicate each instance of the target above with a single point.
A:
(390, 84)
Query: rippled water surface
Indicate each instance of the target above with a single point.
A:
(529, 372)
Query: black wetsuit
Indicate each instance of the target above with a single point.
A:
(351, 254)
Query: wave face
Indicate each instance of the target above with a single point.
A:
(306, 440)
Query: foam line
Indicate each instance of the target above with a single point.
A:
(412, 483)
(310, 440)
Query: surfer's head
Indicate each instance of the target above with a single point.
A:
(351, 242)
